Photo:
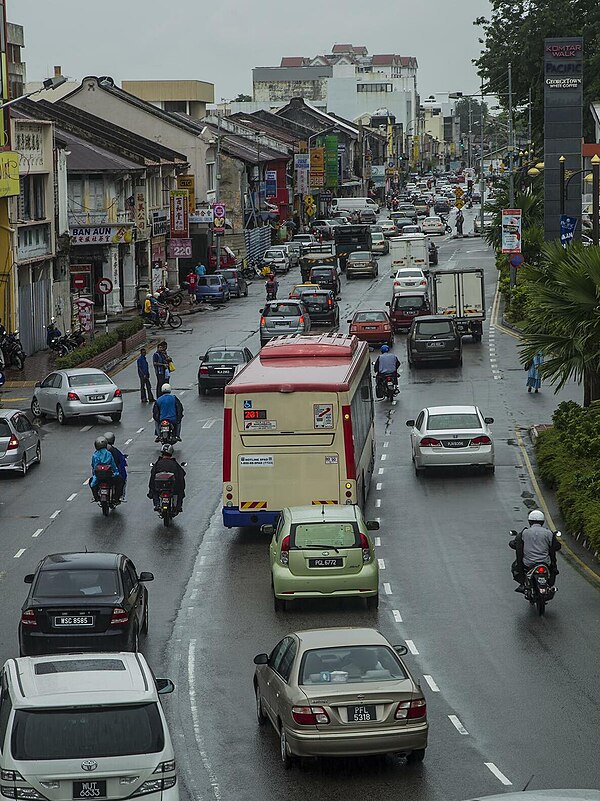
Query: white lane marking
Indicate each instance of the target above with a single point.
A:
(127, 441)
(381, 471)
(378, 486)
(54, 515)
(498, 774)
(72, 496)
(411, 647)
(194, 594)
(139, 431)
(383, 457)
(151, 420)
(86, 482)
(85, 428)
(378, 502)
(386, 444)
(387, 588)
(19, 553)
(454, 720)
(209, 424)
(432, 685)
(212, 776)
(37, 532)
(182, 392)
(381, 563)
(377, 541)
(202, 560)
(397, 615)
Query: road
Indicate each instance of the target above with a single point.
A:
(510, 695)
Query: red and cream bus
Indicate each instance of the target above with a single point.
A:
(298, 428)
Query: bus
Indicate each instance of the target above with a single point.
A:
(298, 428)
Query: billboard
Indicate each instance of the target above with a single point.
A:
(511, 230)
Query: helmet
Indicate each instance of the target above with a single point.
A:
(156, 295)
(536, 517)
(385, 348)
(100, 443)
(167, 449)
(53, 320)
(109, 437)
(166, 388)
(149, 295)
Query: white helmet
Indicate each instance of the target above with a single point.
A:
(148, 295)
(536, 517)
(166, 388)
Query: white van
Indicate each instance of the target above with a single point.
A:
(84, 726)
(354, 204)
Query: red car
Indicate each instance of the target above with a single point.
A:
(374, 327)
(404, 309)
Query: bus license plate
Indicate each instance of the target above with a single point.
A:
(334, 561)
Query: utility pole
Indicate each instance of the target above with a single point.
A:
(217, 184)
(469, 145)
(511, 177)
(529, 142)
(481, 165)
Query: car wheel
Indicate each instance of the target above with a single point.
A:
(116, 417)
(135, 641)
(419, 471)
(416, 756)
(260, 715)
(38, 454)
(23, 467)
(246, 292)
(286, 758)
(373, 602)
(202, 390)
(60, 415)
(36, 410)
(279, 604)
(145, 621)
(491, 469)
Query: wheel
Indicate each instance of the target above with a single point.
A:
(145, 621)
(286, 758)
(24, 466)
(19, 361)
(62, 350)
(541, 606)
(38, 454)
(105, 508)
(116, 417)
(177, 300)
(60, 415)
(476, 337)
(491, 469)
(246, 291)
(416, 756)
(175, 321)
(373, 602)
(419, 471)
(36, 410)
(166, 519)
(279, 604)
(260, 715)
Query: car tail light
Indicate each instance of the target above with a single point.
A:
(13, 443)
(428, 442)
(366, 551)
(329, 302)
(301, 320)
(353, 329)
(309, 715)
(284, 554)
(423, 283)
(262, 321)
(72, 396)
(118, 393)
(411, 710)
(28, 618)
(119, 617)
(483, 440)
(203, 371)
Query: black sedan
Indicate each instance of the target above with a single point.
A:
(84, 602)
(219, 365)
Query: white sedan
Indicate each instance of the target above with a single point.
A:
(451, 436)
(407, 279)
(433, 225)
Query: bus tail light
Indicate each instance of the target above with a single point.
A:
(348, 442)
(227, 445)
(284, 554)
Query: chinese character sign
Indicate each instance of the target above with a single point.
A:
(180, 228)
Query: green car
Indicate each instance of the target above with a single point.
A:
(323, 552)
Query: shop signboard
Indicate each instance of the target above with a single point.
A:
(101, 235)
(511, 230)
(180, 227)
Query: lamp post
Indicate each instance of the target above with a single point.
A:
(561, 166)
(49, 83)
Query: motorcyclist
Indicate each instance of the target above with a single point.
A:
(150, 308)
(271, 287)
(100, 456)
(535, 545)
(167, 407)
(52, 332)
(121, 462)
(385, 364)
(167, 463)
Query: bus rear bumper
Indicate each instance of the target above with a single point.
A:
(234, 518)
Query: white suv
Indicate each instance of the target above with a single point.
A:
(84, 726)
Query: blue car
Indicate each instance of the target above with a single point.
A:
(212, 288)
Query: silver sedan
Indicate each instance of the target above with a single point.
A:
(78, 392)
(451, 436)
(19, 441)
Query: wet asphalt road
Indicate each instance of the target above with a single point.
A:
(510, 695)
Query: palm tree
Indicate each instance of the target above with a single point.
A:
(531, 203)
(564, 317)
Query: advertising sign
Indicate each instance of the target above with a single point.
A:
(9, 174)
(219, 219)
(160, 223)
(302, 161)
(567, 229)
(511, 230)
(271, 183)
(378, 174)
(188, 182)
(84, 309)
(180, 227)
(203, 216)
(302, 183)
(180, 248)
(331, 161)
(317, 167)
(102, 235)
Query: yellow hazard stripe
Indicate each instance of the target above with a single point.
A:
(323, 503)
(253, 505)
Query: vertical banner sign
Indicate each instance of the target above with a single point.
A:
(567, 229)
(219, 219)
(511, 230)
(4, 93)
(271, 183)
(317, 167)
(302, 167)
(180, 228)
(331, 161)
(563, 129)
(188, 182)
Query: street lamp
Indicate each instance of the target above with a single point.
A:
(49, 83)
(594, 176)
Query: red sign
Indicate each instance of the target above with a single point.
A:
(104, 286)
(179, 202)
(79, 282)
(219, 219)
(180, 248)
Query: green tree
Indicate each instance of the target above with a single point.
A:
(515, 31)
(462, 112)
(530, 199)
(564, 317)
(242, 98)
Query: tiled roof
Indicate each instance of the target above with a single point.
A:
(292, 61)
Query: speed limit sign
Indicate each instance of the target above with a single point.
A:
(104, 286)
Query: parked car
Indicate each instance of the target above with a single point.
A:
(237, 284)
(283, 317)
(77, 392)
(451, 436)
(433, 225)
(379, 243)
(404, 308)
(90, 601)
(20, 444)
(374, 327)
(361, 262)
(324, 690)
(219, 365)
(277, 258)
(211, 288)
(433, 339)
(327, 277)
(299, 570)
(322, 306)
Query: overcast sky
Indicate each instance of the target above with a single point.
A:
(222, 41)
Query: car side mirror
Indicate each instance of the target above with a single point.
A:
(558, 533)
(348, 321)
(261, 659)
(372, 525)
(38, 384)
(401, 650)
(261, 311)
(267, 529)
(28, 579)
(164, 686)
(513, 533)
(387, 303)
(146, 576)
(489, 420)
(410, 423)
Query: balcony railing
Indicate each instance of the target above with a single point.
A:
(34, 242)
(80, 218)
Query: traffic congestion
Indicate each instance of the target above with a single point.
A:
(335, 455)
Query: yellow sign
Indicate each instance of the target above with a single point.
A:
(309, 200)
(9, 174)
(188, 182)
(302, 146)
(458, 191)
(459, 203)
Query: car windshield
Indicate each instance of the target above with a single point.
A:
(359, 256)
(370, 317)
(282, 310)
(409, 302)
(89, 380)
(448, 422)
(274, 254)
(79, 732)
(75, 583)
(351, 664)
(431, 329)
(221, 356)
(329, 534)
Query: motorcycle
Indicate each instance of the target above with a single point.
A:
(106, 488)
(12, 350)
(387, 386)
(58, 342)
(174, 297)
(166, 317)
(250, 269)
(74, 338)
(538, 587)
(166, 432)
(164, 484)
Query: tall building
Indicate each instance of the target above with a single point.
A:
(16, 67)
(186, 97)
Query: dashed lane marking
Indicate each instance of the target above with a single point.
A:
(19, 553)
(72, 496)
(411, 647)
(378, 502)
(127, 441)
(383, 457)
(209, 424)
(455, 721)
(54, 515)
(86, 482)
(381, 563)
(139, 431)
(378, 486)
(498, 774)
(377, 541)
(432, 685)
(212, 776)
(86, 428)
(381, 471)
(397, 615)
(387, 588)
(37, 532)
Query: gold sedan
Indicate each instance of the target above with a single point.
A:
(340, 692)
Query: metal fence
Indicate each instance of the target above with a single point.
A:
(33, 315)
(258, 240)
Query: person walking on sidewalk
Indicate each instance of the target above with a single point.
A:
(191, 280)
(160, 362)
(459, 221)
(144, 376)
(534, 379)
